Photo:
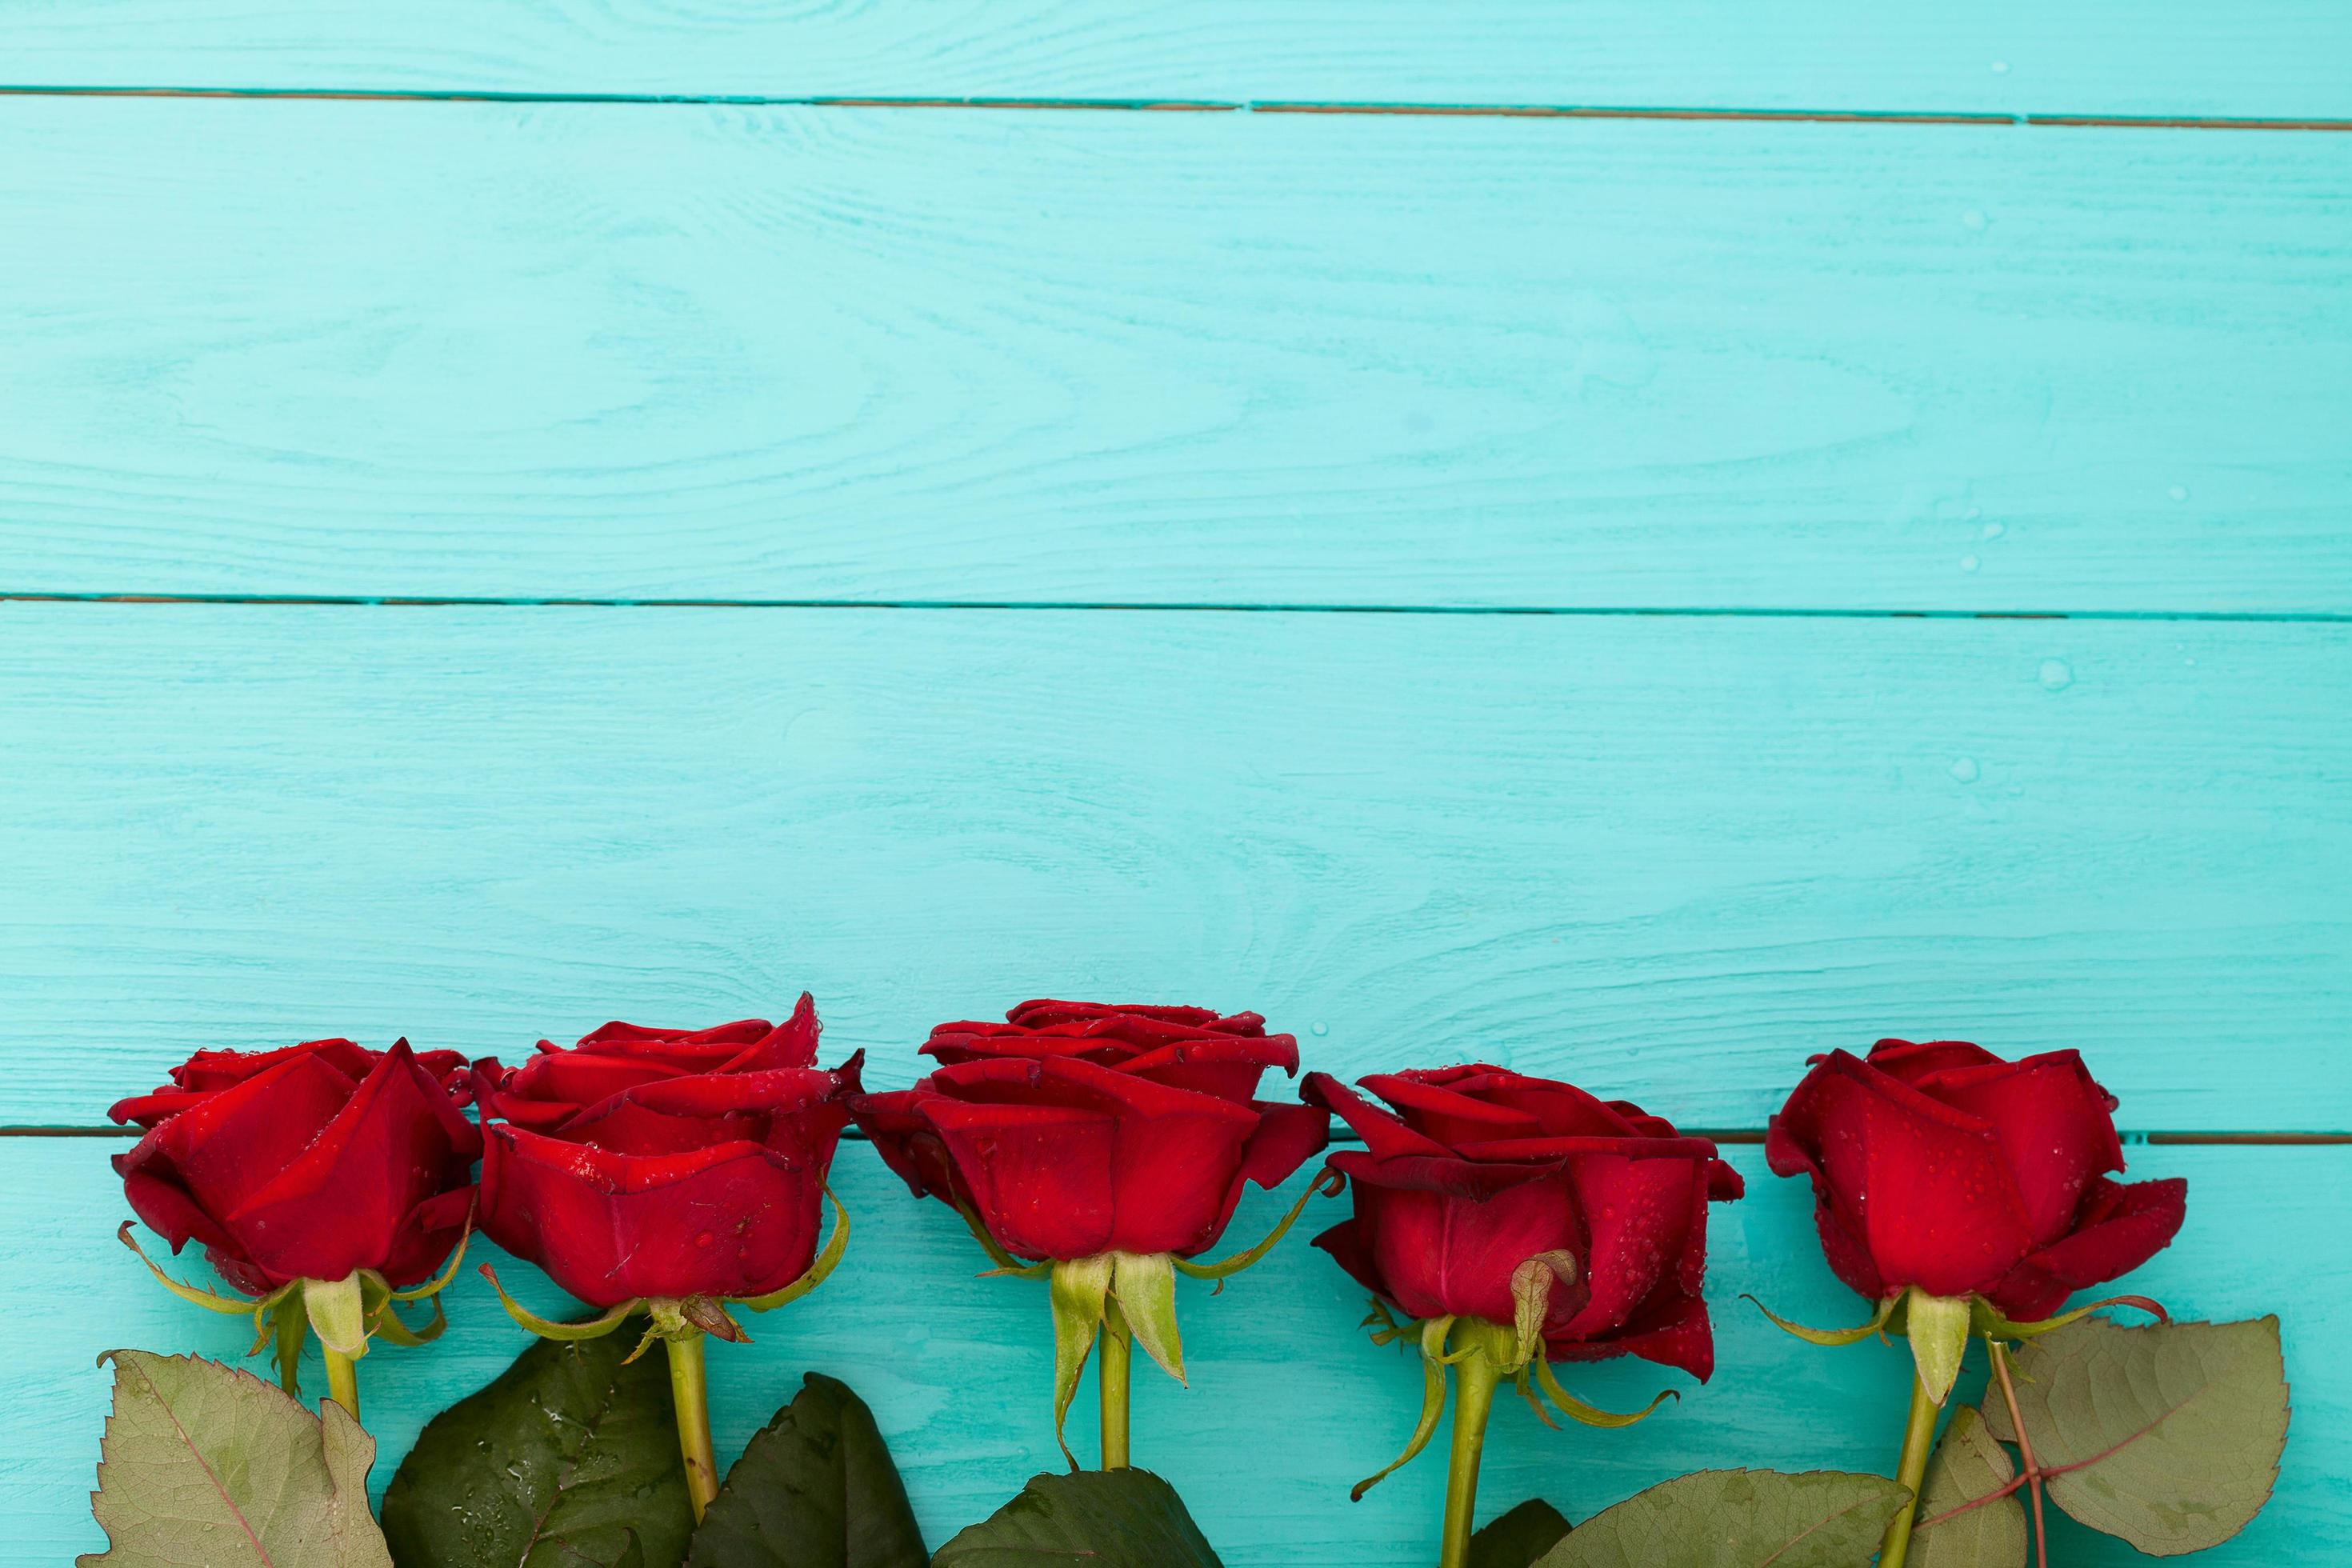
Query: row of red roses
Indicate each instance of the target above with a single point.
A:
(1521, 1220)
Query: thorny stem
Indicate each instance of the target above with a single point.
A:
(1910, 1472)
(689, 1391)
(1475, 1380)
(2024, 1450)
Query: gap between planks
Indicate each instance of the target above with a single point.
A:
(364, 601)
(1228, 106)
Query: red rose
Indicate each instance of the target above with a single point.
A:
(309, 1163)
(664, 1163)
(1943, 1167)
(1480, 1170)
(1077, 1129)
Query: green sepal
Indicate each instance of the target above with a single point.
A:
(593, 1329)
(211, 1300)
(1146, 1288)
(826, 1261)
(1831, 1338)
(1576, 1409)
(1226, 1269)
(385, 1324)
(338, 1313)
(1937, 1327)
(1079, 1288)
(1005, 1263)
(1531, 1288)
(1984, 1317)
(1386, 1329)
(289, 1322)
(1433, 1404)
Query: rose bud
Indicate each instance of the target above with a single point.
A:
(1077, 1129)
(1110, 1142)
(1964, 1195)
(1516, 1221)
(310, 1163)
(1941, 1166)
(671, 1172)
(326, 1180)
(665, 1163)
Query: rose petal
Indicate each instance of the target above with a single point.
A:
(1673, 1331)
(2122, 1226)
(1447, 1116)
(791, 1044)
(2053, 1123)
(340, 1205)
(1637, 1218)
(1912, 1060)
(1384, 1135)
(242, 1137)
(909, 1144)
(1444, 1254)
(735, 1224)
(1040, 1176)
(1925, 1186)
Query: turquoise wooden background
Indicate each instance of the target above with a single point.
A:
(1759, 526)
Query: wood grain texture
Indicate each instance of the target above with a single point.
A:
(630, 352)
(959, 1369)
(1666, 857)
(2266, 57)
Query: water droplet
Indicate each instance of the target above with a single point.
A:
(2001, 68)
(1965, 770)
(1967, 563)
(2178, 492)
(2056, 674)
(1973, 219)
(1995, 530)
(1319, 1028)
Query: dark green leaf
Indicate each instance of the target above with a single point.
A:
(560, 1462)
(1518, 1538)
(815, 1488)
(206, 1464)
(1103, 1519)
(1737, 1518)
(2175, 1428)
(1969, 1465)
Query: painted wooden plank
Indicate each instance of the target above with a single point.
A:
(2272, 57)
(958, 1371)
(1674, 855)
(625, 351)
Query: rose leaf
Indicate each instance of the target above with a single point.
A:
(2172, 1431)
(815, 1488)
(569, 1458)
(1737, 1518)
(205, 1463)
(1969, 1465)
(1103, 1519)
(1516, 1539)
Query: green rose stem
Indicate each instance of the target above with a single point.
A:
(1911, 1471)
(1116, 1350)
(681, 1323)
(1480, 1354)
(689, 1390)
(1938, 1328)
(1476, 1379)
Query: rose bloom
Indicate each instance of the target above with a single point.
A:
(1943, 1167)
(1077, 1128)
(308, 1162)
(665, 1163)
(1476, 1169)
